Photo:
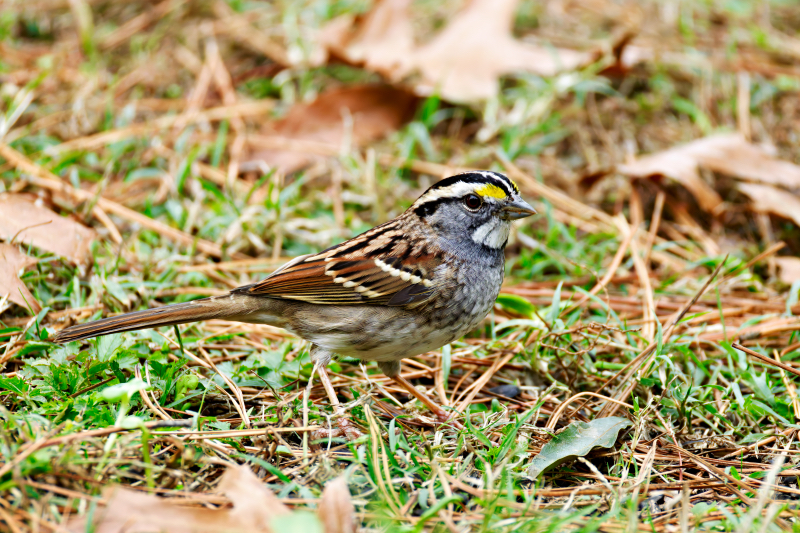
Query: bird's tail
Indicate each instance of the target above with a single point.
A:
(231, 306)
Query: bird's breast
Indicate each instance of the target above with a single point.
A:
(465, 295)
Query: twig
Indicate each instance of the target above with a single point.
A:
(99, 140)
(610, 272)
(47, 180)
(655, 222)
(481, 381)
(635, 364)
(731, 483)
(766, 360)
(649, 308)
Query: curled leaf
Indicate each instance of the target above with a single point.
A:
(768, 199)
(12, 261)
(789, 269)
(577, 440)
(767, 180)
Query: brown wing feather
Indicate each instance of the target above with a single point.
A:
(378, 267)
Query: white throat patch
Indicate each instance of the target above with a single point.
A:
(493, 233)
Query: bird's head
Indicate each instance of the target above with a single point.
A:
(474, 207)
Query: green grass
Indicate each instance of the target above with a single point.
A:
(404, 474)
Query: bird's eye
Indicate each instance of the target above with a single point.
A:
(473, 202)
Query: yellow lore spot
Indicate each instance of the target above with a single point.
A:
(491, 190)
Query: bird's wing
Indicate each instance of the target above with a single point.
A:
(379, 267)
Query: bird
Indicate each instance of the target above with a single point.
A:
(403, 288)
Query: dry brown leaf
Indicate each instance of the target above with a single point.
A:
(465, 60)
(768, 199)
(462, 63)
(336, 510)
(339, 119)
(729, 154)
(254, 506)
(25, 221)
(11, 262)
(789, 269)
(681, 164)
(382, 40)
(131, 510)
(734, 156)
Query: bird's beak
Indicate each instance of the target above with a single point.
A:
(516, 209)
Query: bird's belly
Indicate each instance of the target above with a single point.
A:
(393, 349)
(384, 333)
(375, 333)
(370, 338)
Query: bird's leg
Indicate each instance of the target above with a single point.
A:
(321, 359)
(347, 427)
(442, 415)
(393, 371)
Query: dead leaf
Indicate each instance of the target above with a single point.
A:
(338, 120)
(12, 261)
(789, 269)
(132, 510)
(462, 63)
(737, 157)
(681, 164)
(255, 509)
(768, 199)
(336, 510)
(381, 41)
(729, 154)
(25, 221)
(254, 505)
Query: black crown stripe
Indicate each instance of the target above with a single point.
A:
(491, 178)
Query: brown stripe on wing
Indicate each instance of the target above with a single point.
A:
(377, 267)
(306, 282)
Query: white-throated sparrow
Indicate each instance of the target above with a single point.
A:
(403, 288)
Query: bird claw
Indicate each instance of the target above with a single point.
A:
(443, 417)
(345, 429)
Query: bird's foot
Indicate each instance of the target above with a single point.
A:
(449, 418)
(441, 415)
(345, 429)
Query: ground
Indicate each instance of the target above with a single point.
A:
(190, 147)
